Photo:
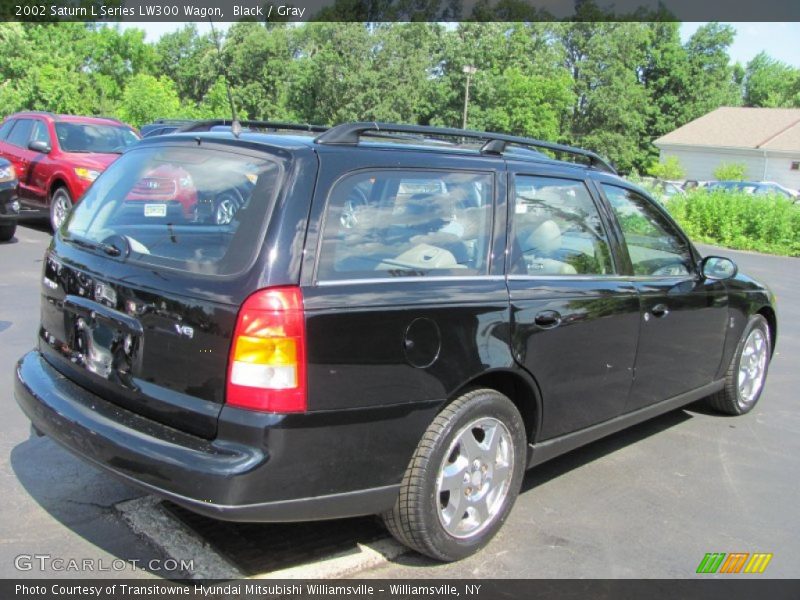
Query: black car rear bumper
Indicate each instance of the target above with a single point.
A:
(259, 468)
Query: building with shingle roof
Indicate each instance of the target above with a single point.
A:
(765, 140)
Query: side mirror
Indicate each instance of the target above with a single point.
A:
(718, 268)
(39, 146)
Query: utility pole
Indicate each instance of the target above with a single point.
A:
(469, 71)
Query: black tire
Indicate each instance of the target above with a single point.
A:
(415, 520)
(59, 198)
(7, 231)
(730, 400)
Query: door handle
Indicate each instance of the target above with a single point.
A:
(547, 319)
(660, 310)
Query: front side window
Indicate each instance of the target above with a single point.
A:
(80, 137)
(656, 248)
(398, 223)
(557, 230)
(190, 208)
(40, 133)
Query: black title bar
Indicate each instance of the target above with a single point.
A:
(399, 589)
(398, 10)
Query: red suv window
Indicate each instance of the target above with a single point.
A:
(5, 129)
(40, 132)
(21, 133)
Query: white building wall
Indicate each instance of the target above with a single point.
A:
(779, 169)
(700, 162)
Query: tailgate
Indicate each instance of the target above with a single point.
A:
(162, 356)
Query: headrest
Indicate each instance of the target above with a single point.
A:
(545, 238)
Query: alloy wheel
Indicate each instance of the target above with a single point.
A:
(61, 208)
(475, 476)
(226, 208)
(752, 366)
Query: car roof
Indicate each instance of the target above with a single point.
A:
(63, 118)
(89, 120)
(298, 140)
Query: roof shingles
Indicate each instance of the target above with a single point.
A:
(740, 127)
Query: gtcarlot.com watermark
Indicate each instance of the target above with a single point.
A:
(50, 563)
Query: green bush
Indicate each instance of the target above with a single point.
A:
(730, 172)
(669, 168)
(739, 220)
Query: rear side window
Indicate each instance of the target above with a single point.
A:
(394, 223)
(21, 133)
(190, 208)
(557, 229)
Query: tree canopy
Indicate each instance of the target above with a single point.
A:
(612, 87)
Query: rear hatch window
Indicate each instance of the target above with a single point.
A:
(195, 209)
(135, 304)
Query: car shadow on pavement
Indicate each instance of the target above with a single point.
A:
(586, 454)
(80, 498)
(36, 223)
(84, 500)
(701, 407)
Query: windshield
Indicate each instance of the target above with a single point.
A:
(190, 208)
(82, 137)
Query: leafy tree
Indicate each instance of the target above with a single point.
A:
(511, 58)
(609, 114)
(771, 83)
(710, 75)
(609, 86)
(214, 104)
(665, 73)
(147, 98)
(529, 105)
(259, 62)
(398, 86)
(731, 172)
(187, 58)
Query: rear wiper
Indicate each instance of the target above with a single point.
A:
(109, 249)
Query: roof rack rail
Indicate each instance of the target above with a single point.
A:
(274, 125)
(168, 121)
(495, 143)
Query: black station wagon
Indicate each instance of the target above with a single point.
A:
(395, 320)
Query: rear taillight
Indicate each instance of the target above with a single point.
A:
(267, 370)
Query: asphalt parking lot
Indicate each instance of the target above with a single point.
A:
(647, 502)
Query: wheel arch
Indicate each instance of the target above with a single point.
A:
(519, 387)
(772, 320)
(55, 183)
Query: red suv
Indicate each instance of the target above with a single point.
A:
(58, 156)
